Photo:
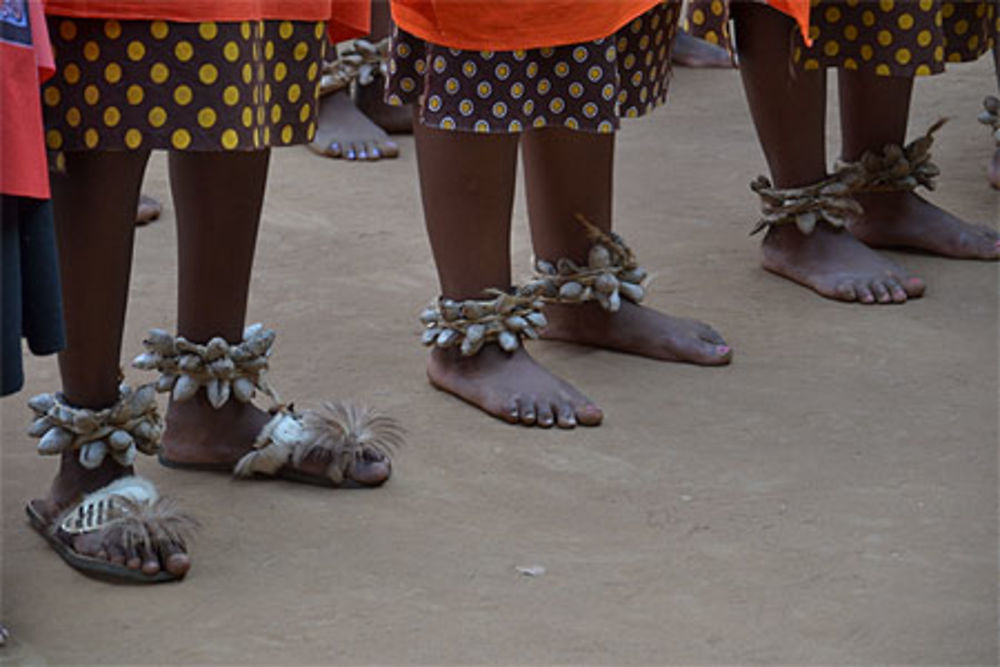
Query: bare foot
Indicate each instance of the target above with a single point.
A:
(906, 220)
(392, 119)
(689, 51)
(148, 211)
(199, 435)
(512, 387)
(344, 132)
(837, 265)
(637, 330)
(75, 481)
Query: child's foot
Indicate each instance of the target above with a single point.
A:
(689, 51)
(149, 210)
(345, 132)
(637, 330)
(198, 435)
(392, 119)
(906, 220)
(512, 387)
(837, 266)
(75, 481)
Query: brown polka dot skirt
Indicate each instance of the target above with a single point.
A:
(884, 37)
(586, 87)
(182, 86)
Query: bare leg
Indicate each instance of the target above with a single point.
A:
(900, 219)
(571, 173)
(789, 114)
(395, 120)
(94, 209)
(467, 184)
(217, 236)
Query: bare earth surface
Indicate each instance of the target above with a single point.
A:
(829, 498)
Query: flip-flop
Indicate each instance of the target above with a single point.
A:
(97, 511)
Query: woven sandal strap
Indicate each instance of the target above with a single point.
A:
(99, 509)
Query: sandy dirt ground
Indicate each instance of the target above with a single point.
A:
(829, 498)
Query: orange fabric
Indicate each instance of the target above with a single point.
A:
(798, 10)
(348, 18)
(508, 25)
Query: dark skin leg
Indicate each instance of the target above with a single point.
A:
(789, 115)
(395, 120)
(467, 186)
(95, 204)
(217, 237)
(571, 173)
(900, 219)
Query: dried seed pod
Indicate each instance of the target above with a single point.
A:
(39, 427)
(124, 457)
(475, 333)
(185, 388)
(429, 316)
(166, 382)
(190, 363)
(447, 338)
(252, 330)
(546, 268)
(606, 283)
(614, 302)
(474, 310)
(239, 353)
(450, 310)
(256, 364)
(636, 275)
(61, 414)
(161, 342)
(632, 292)
(217, 391)
(470, 347)
(85, 422)
(55, 440)
(142, 400)
(516, 323)
(571, 291)
(599, 257)
(261, 342)
(528, 332)
(41, 403)
(146, 431)
(216, 349)
(508, 341)
(119, 440)
(429, 335)
(243, 389)
(92, 454)
(537, 319)
(566, 266)
(806, 222)
(147, 361)
(222, 368)
(148, 447)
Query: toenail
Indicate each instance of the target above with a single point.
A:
(724, 349)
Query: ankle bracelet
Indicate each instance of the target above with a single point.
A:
(224, 370)
(896, 168)
(505, 319)
(612, 273)
(131, 425)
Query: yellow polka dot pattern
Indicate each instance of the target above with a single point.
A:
(886, 37)
(182, 86)
(587, 87)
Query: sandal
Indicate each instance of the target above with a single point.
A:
(341, 435)
(130, 511)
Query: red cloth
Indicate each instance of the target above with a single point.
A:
(25, 62)
(348, 18)
(509, 25)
